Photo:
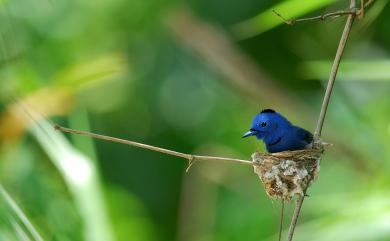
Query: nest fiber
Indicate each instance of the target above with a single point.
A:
(288, 173)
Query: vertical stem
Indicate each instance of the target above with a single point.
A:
(295, 218)
(325, 103)
(281, 221)
(333, 72)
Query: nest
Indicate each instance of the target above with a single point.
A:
(288, 173)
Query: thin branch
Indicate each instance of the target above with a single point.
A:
(191, 158)
(316, 18)
(333, 73)
(281, 221)
(325, 103)
(323, 17)
(360, 12)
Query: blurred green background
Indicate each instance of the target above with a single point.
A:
(188, 76)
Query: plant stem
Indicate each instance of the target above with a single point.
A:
(322, 17)
(333, 73)
(189, 157)
(325, 103)
(281, 221)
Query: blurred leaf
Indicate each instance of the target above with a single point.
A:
(359, 219)
(50, 101)
(81, 176)
(289, 9)
(346, 217)
(131, 219)
(58, 99)
(350, 70)
(22, 236)
(23, 232)
(93, 71)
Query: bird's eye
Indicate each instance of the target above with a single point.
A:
(263, 124)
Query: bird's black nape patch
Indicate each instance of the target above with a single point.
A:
(267, 111)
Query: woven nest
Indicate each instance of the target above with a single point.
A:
(288, 173)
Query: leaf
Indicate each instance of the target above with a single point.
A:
(93, 71)
(347, 218)
(28, 229)
(81, 176)
(349, 70)
(49, 101)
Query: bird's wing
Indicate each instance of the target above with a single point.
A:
(304, 135)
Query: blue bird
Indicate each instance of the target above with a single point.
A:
(278, 133)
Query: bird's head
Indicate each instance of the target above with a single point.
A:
(266, 123)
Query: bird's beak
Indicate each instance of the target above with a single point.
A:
(250, 133)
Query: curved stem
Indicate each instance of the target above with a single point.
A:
(333, 72)
(325, 103)
(189, 157)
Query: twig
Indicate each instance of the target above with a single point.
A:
(316, 18)
(360, 12)
(333, 73)
(281, 220)
(191, 158)
(323, 17)
(321, 118)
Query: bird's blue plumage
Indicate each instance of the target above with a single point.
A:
(278, 133)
